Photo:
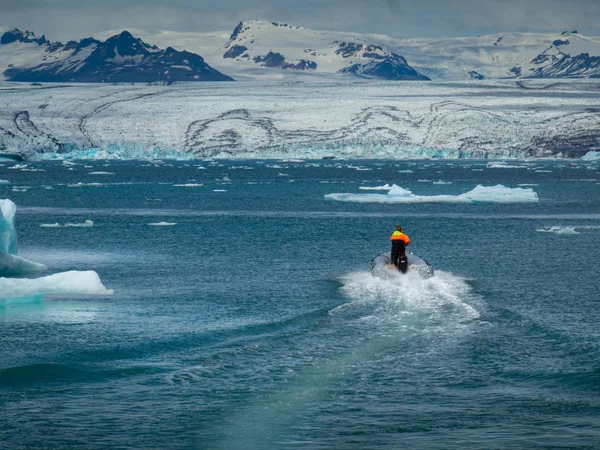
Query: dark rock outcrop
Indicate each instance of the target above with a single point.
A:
(303, 64)
(271, 59)
(394, 67)
(235, 51)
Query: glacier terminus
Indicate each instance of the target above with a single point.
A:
(308, 119)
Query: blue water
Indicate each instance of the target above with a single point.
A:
(254, 322)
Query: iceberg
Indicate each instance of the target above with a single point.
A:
(591, 156)
(558, 230)
(25, 289)
(10, 263)
(72, 282)
(480, 194)
(385, 187)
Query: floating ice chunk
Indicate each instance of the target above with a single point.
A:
(219, 190)
(397, 191)
(480, 194)
(72, 282)
(504, 166)
(4, 182)
(101, 173)
(558, 230)
(281, 174)
(88, 223)
(591, 156)
(527, 184)
(18, 166)
(162, 224)
(385, 187)
(80, 184)
(442, 182)
(405, 171)
(189, 185)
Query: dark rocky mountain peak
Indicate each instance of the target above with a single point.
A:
(16, 35)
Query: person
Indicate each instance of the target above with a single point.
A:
(399, 243)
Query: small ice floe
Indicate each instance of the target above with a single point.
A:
(18, 167)
(442, 182)
(543, 171)
(201, 168)
(527, 184)
(503, 165)
(405, 171)
(480, 194)
(68, 163)
(101, 173)
(591, 156)
(385, 187)
(226, 178)
(162, 224)
(189, 185)
(87, 224)
(20, 188)
(558, 230)
(80, 184)
(4, 182)
(424, 181)
(281, 174)
(219, 190)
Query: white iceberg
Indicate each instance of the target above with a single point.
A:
(385, 187)
(71, 282)
(591, 156)
(24, 289)
(162, 224)
(87, 224)
(558, 230)
(480, 194)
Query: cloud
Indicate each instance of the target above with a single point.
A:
(73, 19)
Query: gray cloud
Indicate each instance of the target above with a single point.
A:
(73, 19)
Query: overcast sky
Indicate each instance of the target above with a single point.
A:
(74, 19)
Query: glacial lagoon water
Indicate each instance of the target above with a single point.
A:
(244, 314)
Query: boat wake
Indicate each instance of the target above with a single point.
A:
(440, 299)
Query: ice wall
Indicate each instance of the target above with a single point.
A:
(401, 120)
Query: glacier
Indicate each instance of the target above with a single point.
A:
(14, 288)
(480, 194)
(497, 119)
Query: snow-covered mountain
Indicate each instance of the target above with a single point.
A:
(569, 54)
(267, 50)
(121, 58)
(288, 47)
(270, 50)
